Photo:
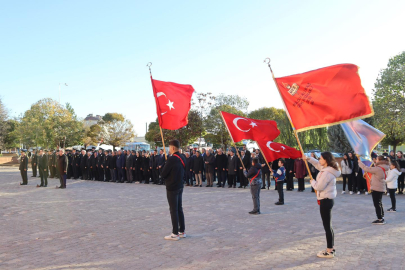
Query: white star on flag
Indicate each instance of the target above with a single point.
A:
(253, 124)
(170, 104)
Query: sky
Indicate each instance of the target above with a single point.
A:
(101, 48)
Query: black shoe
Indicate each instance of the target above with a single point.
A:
(263, 188)
(229, 186)
(219, 186)
(378, 222)
(279, 203)
(240, 187)
(234, 186)
(268, 188)
(46, 186)
(200, 186)
(255, 213)
(251, 212)
(22, 184)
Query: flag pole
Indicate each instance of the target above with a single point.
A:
(265, 158)
(267, 61)
(237, 152)
(161, 132)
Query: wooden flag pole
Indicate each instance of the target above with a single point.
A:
(265, 159)
(267, 61)
(163, 142)
(161, 132)
(237, 152)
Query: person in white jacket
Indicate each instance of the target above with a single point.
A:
(392, 183)
(325, 186)
(346, 166)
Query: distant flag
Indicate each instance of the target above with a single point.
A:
(324, 97)
(273, 151)
(362, 137)
(241, 128)
(173, 102)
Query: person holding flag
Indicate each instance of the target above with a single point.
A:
(325, 185)
(254, 176)
(377, 185)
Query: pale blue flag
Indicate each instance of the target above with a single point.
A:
(362, 137)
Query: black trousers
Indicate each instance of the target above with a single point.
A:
(354, 182)
(242, 179)
(221, 174)
(401, 182)
(94, 174)
(347, 178)
(266, 177)
(44, 176)
(101, 174)
(290, 181)
(24, 177)
(301, 184)
(392, 197)
(377, 200)
(326, 215)
(62, 178)
(156, 176)
(83, 172)
(231, 179)
(120, 174)
(175, 200)
(146, 174)
(34, 170)
(280, 186)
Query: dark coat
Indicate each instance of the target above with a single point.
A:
(23, 163)
(221, 162)
(289, 166)
(129, 160)
(262, 161)
(232, 164)
(210, 167)
(43, 163)
(173, 172)
(189, 164)
(120, 161)
(83, 161)
(300, 169)
(63, 164)
(198, 164)
(145, 162)
(161, 160)
(34, 159)
(247, 160)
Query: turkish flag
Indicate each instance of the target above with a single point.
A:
(324, 97)
(273, 151)
(242, 128)
(173, 102)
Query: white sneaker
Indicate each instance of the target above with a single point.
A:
(366, 193)
(343, 192)
(358, 192)
(351, 192)
(182, 235)
(172, 237)
(388, 194)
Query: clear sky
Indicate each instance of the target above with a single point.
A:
(101, 48)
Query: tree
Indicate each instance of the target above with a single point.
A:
(11, 138)
(3, 124)
(389, 101)
(186, 135)
(116, 132)
(337, 140)
(92, 135)
(49, 124)
(232, 100)
(109, 117)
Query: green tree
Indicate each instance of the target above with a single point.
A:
(186, 135)
(49, 124)
(109, 117)
(389, 101)
(337, 140)
(92, 135)
(11, 138)
(3, 124)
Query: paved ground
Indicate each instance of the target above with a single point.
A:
(94, 225)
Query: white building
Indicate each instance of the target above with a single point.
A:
(91, 120)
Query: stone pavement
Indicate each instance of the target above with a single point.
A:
(95, 225)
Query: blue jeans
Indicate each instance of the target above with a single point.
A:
(174, 198)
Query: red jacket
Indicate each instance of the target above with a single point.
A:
(300, 168)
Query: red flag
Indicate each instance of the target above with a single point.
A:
(324, 97)
(272, 150)
(242, 128)
(173, 102)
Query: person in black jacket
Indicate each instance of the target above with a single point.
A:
(112, 166)
(139, 166)
(145, 167)
(232, 169)
(34, 163)
(289, 173)
(100, 164)
(198, 167)
(221, 163)
(173, 173)
(24, 168)
(83, 167)
(107, 173)
(188, 173)
(246, 160)
(265, 172)
(160, 165)
(43, 168)
(93, 166)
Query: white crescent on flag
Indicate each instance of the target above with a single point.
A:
(269, 146)
(235, 122)
(158, 94)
